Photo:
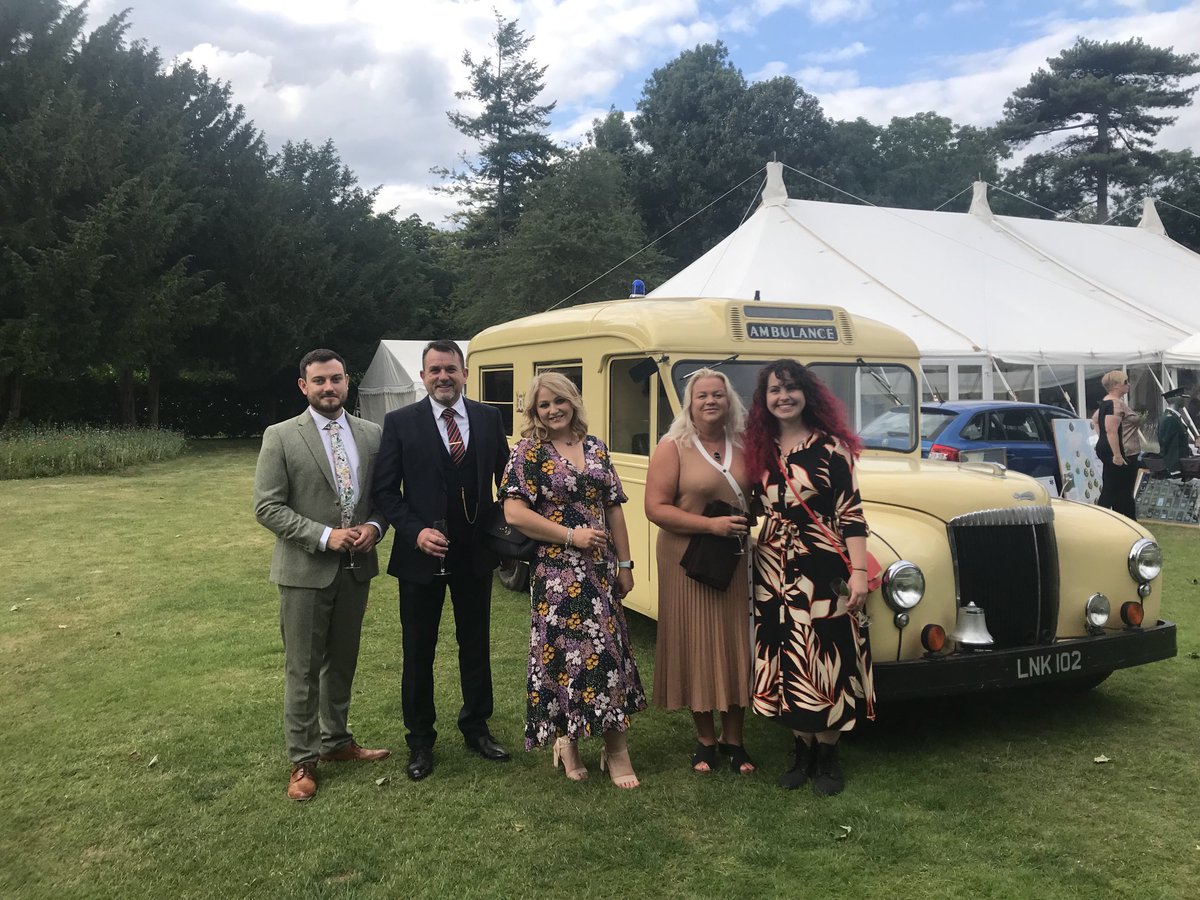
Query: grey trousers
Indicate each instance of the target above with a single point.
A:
(321, 629)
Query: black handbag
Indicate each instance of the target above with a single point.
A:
(502, 538)
(709, 559)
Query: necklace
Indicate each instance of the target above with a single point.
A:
(570, 442)
(715, 454)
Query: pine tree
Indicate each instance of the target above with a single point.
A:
(1109, 96)
(514, 150)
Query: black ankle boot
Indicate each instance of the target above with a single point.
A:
(827, 775)
(802, 764)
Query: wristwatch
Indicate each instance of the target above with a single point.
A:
(625, 564)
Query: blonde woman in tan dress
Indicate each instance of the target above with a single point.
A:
(702, 659)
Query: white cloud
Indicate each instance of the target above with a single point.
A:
(963, 7)
(818, 10)
(814, 79)
(841, 54)
(378, 76)
(975, 86)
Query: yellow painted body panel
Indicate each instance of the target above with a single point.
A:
(909, 502)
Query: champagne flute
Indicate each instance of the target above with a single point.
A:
(351, 563)
(740, 537)
(440, 526)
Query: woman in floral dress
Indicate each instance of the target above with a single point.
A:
(560, 489)
(812, 667)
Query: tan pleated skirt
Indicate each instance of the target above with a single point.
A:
(702, 655)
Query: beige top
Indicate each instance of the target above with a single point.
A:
(700, 481)
(1127, 430)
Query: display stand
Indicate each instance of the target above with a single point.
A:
(1167, 500)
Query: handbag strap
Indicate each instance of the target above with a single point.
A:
(812, 515)
(723, 469)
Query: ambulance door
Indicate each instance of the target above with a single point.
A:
(639, 413)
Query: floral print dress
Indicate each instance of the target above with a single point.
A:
(812, 663)
(582, 676)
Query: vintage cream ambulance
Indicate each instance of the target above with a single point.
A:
(989, 581)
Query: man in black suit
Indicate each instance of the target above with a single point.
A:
(439, 460)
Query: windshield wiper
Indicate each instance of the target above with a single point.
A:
(881, 380)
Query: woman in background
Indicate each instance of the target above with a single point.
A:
(560, 489)
(702, 651)
(1118, 445)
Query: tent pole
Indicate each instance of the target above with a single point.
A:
(1007, 387)
(1062, 390)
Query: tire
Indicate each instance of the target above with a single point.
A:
(514, 574)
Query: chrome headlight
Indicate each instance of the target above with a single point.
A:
(1096, 611)
(1145, 560)
(903, 585)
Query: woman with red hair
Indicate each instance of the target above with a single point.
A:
(812, 666)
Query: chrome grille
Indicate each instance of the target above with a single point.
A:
(1006, 563)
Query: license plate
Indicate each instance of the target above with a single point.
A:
(1048, 663)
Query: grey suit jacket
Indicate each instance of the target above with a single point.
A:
(295, 498)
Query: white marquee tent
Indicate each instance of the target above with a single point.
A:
(1031, 303)
(393, 379)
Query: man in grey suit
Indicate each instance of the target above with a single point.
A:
(312, 489)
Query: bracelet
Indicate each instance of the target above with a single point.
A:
(857, 569)
(570, 532)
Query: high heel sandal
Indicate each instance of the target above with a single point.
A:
(620, 769)
(563, 746)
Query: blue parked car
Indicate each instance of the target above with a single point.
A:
(1018, 434)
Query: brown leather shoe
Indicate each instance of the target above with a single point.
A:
(351, 751)
(303, 783)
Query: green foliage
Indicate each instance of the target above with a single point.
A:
(1108, 97)
(47, 451)
(514, 151)
(1180, 192)
(706, 130)
(579, 223)
(146, 230)
(914, 162)
(144, 758)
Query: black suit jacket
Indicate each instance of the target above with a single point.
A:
(410, 489)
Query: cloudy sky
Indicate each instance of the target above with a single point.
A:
(377, 76)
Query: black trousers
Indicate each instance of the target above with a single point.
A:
(1116, 489)
(420, 616)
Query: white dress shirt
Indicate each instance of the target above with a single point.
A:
(351, 455)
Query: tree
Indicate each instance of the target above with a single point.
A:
(1179, 198)
(514, 150)
(914, 162)
(580, 223)
(707, 130)
(1109, 97)
(49, 238)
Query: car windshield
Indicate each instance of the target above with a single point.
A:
(870, 391)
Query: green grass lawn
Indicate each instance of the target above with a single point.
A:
(142, 672)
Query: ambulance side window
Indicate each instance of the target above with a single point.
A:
(498, 393)
(628, 409)
(573, 370)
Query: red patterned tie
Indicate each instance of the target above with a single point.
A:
(457, 448)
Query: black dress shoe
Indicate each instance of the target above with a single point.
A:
(487, 747)
(420, 763)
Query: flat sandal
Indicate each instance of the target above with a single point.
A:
(705, 753)
(738, 757)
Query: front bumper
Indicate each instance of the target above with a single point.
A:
(990, 670)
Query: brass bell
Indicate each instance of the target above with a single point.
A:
(970, 630)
